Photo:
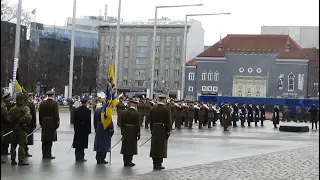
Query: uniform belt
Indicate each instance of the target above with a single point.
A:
(129, 125)
(159, 124)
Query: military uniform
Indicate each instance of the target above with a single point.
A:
(202, 112)
(191, 116)
(308, 115)
(179, 114)
(275, 116)
(263, 114)
(256, 115)
(250, 115)
(285, 114)
(210, 117)
(314, 112)
(7, 127)
(160, 125)
(4, 120)
(32, 125)
(130, 131)
(226, 117)
(147, 108)
(243, 115)
(141, 112)
(49, 121)
(235, 114)
(21, 118)
(298, 113)
(173, 114)
(185, 115)
(120, 107)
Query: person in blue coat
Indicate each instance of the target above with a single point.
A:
(102, 140)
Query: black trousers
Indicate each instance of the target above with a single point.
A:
(46, 149)
(157, 161)
(101, 156)
(79, 153)
(4, 148)
(243, 120)
(234, 121)
(314, 123)
(127, 158)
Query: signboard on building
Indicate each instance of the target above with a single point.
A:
(300, 82)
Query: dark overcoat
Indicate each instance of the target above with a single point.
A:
(130, 130)
(250, 114)
(82, 127)
(102, 140)
(314, 114)
(160, 125)
(256, 114)
(275, 116)
(33, 122)
(49, 120)
(263, 113)
(7, 126)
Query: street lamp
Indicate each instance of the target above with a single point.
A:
(184, 60)
(154, 41)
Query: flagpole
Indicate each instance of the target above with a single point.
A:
(72, 49)
(17, 45)
(116, 60)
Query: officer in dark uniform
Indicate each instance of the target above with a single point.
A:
(314, 115)
(4, 120)
(275, 116)
(49, 121)
(33, 124)
(179, 114)
(235, 114)
(21, 118)
(120, 108)
(226, 116)
(210, 116)
(160, 125)
(201, 115)
(191, 115)
(147, 109)
(256, 115)
(263, 114)
(250, 115)
(130, 131)
(243, 115)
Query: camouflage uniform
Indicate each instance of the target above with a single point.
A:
(285, 114)
(308, 115)
(21, 118)
(4, 120)
(297, 116)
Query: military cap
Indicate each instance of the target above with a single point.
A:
(50, 93)
(162, 96)
(134, 101)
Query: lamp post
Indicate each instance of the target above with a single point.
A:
(154, 41)
(184, 60)
(72, 48)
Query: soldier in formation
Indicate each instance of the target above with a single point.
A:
(298, 114)
(120, 107)
(4, 120)
(285, 114)
(7, 127)
(314, 113)
(33, 123)
(235, 114)
(275, 116)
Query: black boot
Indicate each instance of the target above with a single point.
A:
(21, 163)
(159, 167)
(14, 163)
(129, 164)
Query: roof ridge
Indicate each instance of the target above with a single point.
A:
(299, 47)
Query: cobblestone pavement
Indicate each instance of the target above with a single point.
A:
(296, 164)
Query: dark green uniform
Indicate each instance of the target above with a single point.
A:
(179, 114)
(185, 115)
(286, 114)
(31, 126)
(4, 120)
(201, 116)
(6, 128)
(160, 125)
(147, 109)
(298, 113)
(49, 121)
(210, 116)
(141, 112)
(226, 117)
(130, 130)
(120, 107)
(21, 117)
(191, 115)
(308, 115)
(173, 114)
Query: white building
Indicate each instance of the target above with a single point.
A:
(305, 36)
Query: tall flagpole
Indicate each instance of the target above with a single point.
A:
(117, 57)
(17, 44)
(72, 49)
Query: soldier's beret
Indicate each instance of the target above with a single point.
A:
(162, 96)
(50, 93)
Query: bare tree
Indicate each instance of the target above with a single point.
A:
(9, 13)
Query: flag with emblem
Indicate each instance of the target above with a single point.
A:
(111, 99)
(16, 80)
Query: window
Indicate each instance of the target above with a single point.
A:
(168, 38)
(215, 88)
(156, 61)
(190, 88)
(204, 88)
(140, 72)
(127, 38)
(167, 49)
(209, 88)
(156, 72)
(210, 76)
(142, 38)
(126, 49)
(177, 61)
(141, 49)
(125, 82)
(216, 76)
(178, 50)
(316, 71)
(191, 76)
(139, 82)
(166, 72)
(141, 60)
(204, 76)
(176, 85)
(178, 38)
(291, 82)
(177, 73)
(157, 49)
(315, 86)
(158, 38)
(239, 94)
(125, 71)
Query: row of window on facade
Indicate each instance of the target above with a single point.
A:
(144, 49)
(205, 88)
(142, 72)
(206, 76)
(143, 83)
(168, 38)
(143, 61)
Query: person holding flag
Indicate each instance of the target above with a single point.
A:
(103, 124)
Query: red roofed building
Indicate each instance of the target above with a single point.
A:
(249, 65)
(313, 74)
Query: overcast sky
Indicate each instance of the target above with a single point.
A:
(247, 15)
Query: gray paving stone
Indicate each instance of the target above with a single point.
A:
(295, 164)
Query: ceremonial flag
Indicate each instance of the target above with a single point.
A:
(16, 86)
(33, 12)
(111, 99)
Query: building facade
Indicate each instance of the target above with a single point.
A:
(249, 65)
(313, 71)
(134, 66)
(305, 36)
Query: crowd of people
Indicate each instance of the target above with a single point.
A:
(18, 123)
